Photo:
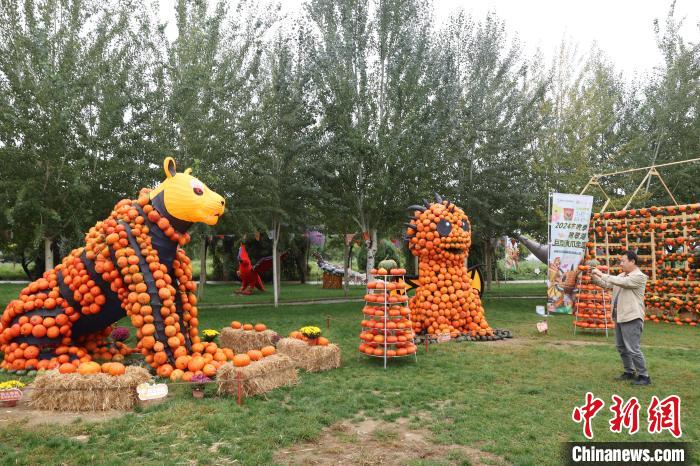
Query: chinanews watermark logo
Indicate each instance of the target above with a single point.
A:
(662, 415)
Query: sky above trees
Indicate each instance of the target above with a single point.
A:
(622, 29)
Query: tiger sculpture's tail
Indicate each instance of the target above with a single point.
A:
(131, 265)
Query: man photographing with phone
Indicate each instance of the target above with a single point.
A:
(628, 315)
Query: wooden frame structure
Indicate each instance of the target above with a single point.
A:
(667, 241)
(652, 170)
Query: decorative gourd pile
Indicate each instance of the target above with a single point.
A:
(91, 367)
(244, 359)
(667, 241)
(387, 330)
(593, 308)
(439, 234)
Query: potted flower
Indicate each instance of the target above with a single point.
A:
(198, 382)
(11, 392)
(209, 334)
(311, 333)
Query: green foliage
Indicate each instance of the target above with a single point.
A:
(70, 117)
(385, 250)
(337, 120)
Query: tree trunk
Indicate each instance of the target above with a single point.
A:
(371, 244)
(487, 260)
(48, 254)
(303, 262)
(202, 269)
(307, 252)
(227, 258)
(275, 262)
(25, 266)
(346, 265)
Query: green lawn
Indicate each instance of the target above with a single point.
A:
(218, 294)
(11, 271)
(513, 399)
(517, 289)
(223, 294)
(8, 292)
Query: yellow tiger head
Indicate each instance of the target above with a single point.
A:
(186, 198)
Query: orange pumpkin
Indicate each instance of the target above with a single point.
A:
(196, 363)
(268, 350)
(117, 368)
(241, 360)
(89, 368)
(66, 368)
(255, 355)
(209, 370)
(260, 327)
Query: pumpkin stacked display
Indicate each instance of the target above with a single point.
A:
(439, 234)
(131, 265)
(667, 242)
(387, 330)
(593, 309)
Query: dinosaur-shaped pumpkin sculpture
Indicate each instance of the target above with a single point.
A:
(439, 234)
(131, 265)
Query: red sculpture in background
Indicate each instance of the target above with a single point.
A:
(250, 274)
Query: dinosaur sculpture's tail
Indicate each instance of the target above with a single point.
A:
(540, 251)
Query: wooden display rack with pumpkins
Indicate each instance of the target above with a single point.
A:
(593, 309)
(667, 242)
(387, 330)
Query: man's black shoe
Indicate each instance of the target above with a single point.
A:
(625, 376)
(642, 380)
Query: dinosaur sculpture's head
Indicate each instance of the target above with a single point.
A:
(243, 259)
(439, 230)
(186, 198)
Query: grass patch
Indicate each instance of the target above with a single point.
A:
(11, 271)
(517, 289)
(223, 294)
(512, 399)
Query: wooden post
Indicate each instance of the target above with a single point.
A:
(202, 268)
(239, 384)
(652, 241)
(607, 247)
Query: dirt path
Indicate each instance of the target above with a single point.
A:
(372, 442)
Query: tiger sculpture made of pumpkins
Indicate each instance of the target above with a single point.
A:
(131, 265)
(439, 234)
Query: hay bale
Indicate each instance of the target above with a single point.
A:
(258, 377)
(310, 358)
(242, 341)
(96, 392)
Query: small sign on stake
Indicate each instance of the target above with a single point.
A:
(443, 337)
(542, 326)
